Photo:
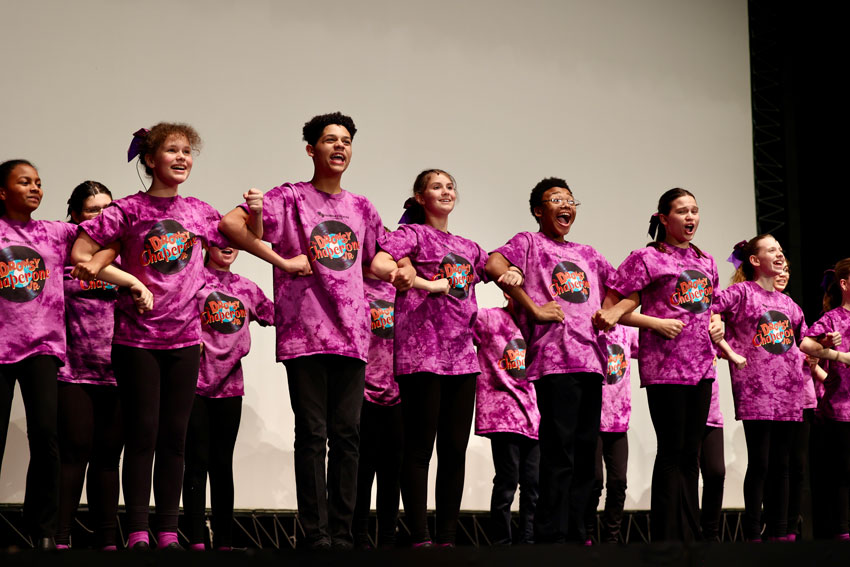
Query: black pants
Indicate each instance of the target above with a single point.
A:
(838, 433)
(678, 414)
(36, 376)
(712, 466)
(437, 408)
(612, 449)
(768, 457)
(569, 406)
(799, 494)
(157, 389)
(210, 440)
(381, 452)
(326, 393)
(91, 435)
(516, 459)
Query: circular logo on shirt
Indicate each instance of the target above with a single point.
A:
(383, 318)
(22, 274)
(617, 364)
(774, 332)
(569, 282)
(168, 247)
(334, 245)
(513, 359)
(458, 270)
(223, 313)
(693, 292)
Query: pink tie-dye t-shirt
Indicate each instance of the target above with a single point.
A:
(322, 313)
(621, 344)
(674, 284)
(433, 332)
(505, 400)
(33, 255)
(764, 327)
(228, 303)
(161, 244)
(381, 387)
(835, 401)
(89, 324)
(576, 277)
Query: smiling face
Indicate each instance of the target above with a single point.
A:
(439, 196)
(21, 191)
(172, 161)
(555, 215)
(780, 282)
(769, 260)
(332, 152)
(222, 258)
(681, 222)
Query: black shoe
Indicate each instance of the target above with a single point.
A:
(318, 545)
(45, 544)
(342, 545)
(141, 546)
(173, 546)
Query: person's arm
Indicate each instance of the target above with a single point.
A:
(497, 266)
(729, 354)
(234, 225)
(87, 271)
(387, 269)
(614, 308)
(84, 251)
(813, 348)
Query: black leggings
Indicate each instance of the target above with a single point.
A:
(36, 376)
(516, 460)
(799, 496)
(678, 413)
(838, 432)
(381, 453)
(613, 450)
(90, 435)
(435, 407)
(210, 441)
(157, 389)
(712, 466)
(768, 456)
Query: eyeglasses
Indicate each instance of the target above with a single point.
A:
(557, 202)
(92, 210)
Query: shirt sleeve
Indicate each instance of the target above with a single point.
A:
(479, 328)
(516, 250)
(821, 326)
(275, 203)
(262, 308)
(480, 264)
(632, 275)
(107, 227)
(374, 228)
(402, 242)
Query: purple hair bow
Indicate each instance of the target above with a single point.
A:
(410, 212)
(828, 278)
(136, 144)
(737, 256)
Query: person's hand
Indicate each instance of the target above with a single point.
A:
(142, 296)
(604, 319)
(549, 313)
(85, 271)
(739, 361)
(402, 277)
(668, 328)
(511, 278)
(254, 200)
(716, 330)
(441, 286)
(298, 265)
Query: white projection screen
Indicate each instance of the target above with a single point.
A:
(623, 99)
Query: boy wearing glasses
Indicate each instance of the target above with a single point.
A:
(564, 285)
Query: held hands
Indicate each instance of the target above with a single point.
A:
(831, 340)
(142, 296)
(254, 200)
(86, 271)
(402, 277)
(604, 319)
(298, 265)
(669, 328)
(549, 313)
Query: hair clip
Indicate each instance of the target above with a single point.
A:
(737, 256)
(136, 145)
